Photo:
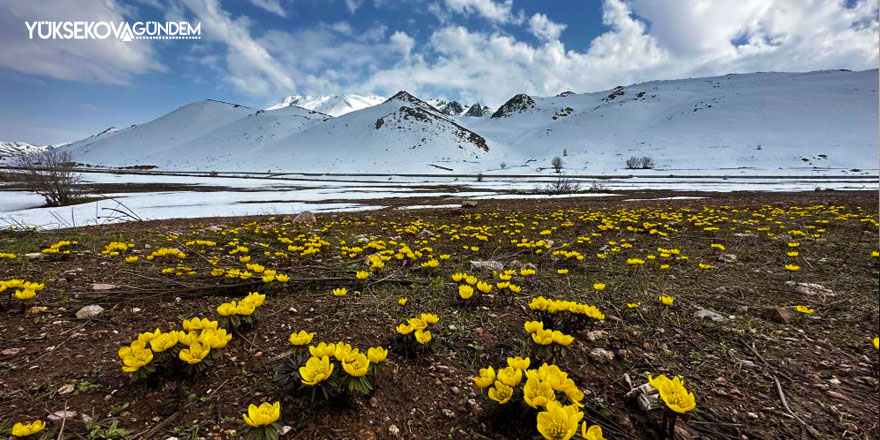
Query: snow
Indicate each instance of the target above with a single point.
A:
(240, 194)
(333, 105)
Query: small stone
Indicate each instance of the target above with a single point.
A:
(745, 363)
(34, 255)
(136, 310)
(601, 355)
(494, 266)
(305, 217)
(89, 312)
(448, 413)
(596, 335)
(61, 415)
(65, 389)
(103, 286)
(811, 289)
(837, 395)
(394, 430)
(834, 381)
(728, 258)
(36, 310)
(777, 314)
(753, 415)
(286, 429)
(12, 351)
(708, 314)
(455, 390)
(468, 203)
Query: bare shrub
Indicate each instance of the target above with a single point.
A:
(562, 185)
(643, 163)
(557, 163)
(49, 173)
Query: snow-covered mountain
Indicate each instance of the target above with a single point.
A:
(770, 123)
(14, 148)
(333, 105)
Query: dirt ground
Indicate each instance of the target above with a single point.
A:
(740, 367)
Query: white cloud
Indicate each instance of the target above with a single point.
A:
(273, 6)
(251, 69)
(544, 28)
(500, 12)
(690, 38)
(403, 42)
(108, 61)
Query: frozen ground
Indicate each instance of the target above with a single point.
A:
(242, 194)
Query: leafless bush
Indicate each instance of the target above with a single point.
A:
(562, 185)
(49, 173)
(643, 163)
(556, 163)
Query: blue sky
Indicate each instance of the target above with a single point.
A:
(255, 52)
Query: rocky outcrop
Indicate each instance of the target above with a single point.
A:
(517, 104)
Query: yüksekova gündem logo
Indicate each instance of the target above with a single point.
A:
(122, 30)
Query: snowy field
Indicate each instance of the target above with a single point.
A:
(241, 194)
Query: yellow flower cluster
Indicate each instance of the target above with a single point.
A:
(233, 313)
(545, 388)
(354, 363)
(166, 252)
(22, 289)
(553, 306)
(7, 256)
(114, 248)
(418, 327)
(542, 336)
(199, 335)
(26, 429)
(60, 247)
(470, 285)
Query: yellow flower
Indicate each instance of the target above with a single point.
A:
(705, 266)
(263, 415)
(245, 308)
(673, 393)
(599, 286)
(500, 393)
(559, 422)
(430, 318)
(792, 267)
(135, 357)
(227, 309)
(485, 378)
(282, 278)
(634, 305)
(340, 292)
(164, 342)
(417, 323)
(344, 351)
(484, 287)
(470, 279)
(666, 300)
(514, 288)
(131, 259)
(510, 376)
(593, 433)
(533, 326)
(362, 275)
(538, 393)
(562, 271)
(543, 337)
(401, 301)
(876, 342)
(562, 339)
(404, 329)
(322, 349)
(458, 276)
(423, 336)
(198, 324)
(196, 353)
(316, 370)
(519, 363)
(357, 365)
(255, 298)
(805, 310)
(25, 294)
(377, 354)
(465, 291)
(26, 429)
(301, 338)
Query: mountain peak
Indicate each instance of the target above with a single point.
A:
(333, 105)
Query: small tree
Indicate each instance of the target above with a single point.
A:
(565, 152)
(503, 165)
(647, 163)
(49, 173)
(633, 162)
(556, 163)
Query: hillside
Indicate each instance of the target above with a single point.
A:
(761, 123)
(333, 105)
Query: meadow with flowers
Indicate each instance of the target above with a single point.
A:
(737, 316)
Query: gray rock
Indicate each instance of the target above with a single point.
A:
(305, 217)
(103, 286)
(89, 312)
(492, 265)
(468, 203)
(601, 355)
(708, 314)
